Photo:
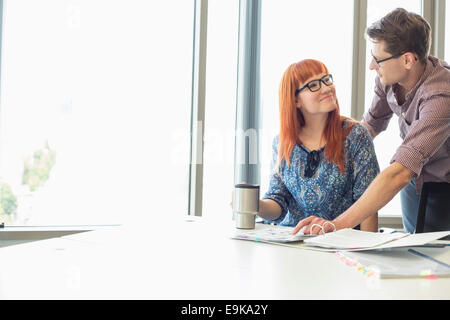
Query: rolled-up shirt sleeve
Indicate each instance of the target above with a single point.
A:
(277, 190)
(427, 134)
(379, 113)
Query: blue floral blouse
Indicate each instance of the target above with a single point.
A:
(328, 193)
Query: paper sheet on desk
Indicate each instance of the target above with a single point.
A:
(355, 240)
(417, 239)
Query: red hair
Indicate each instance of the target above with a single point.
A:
(292, 120)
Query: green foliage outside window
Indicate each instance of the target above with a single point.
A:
(36, 171)
(8, 201)
(37, 168)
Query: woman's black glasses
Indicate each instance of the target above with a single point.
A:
(312, 163)
(315, 85)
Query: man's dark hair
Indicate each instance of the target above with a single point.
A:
(403, 31)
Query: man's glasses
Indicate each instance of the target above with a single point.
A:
(312, 163)
(386, 59)
(315, 85)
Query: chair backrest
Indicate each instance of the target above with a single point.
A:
(442, 189)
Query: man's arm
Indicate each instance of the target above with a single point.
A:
(382, 189)
(377, 118)
(370, 224)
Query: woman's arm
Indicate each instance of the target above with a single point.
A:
(269, 209)
(275, 202)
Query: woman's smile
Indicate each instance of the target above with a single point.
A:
(329, 96)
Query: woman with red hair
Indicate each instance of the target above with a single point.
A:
(322, 161)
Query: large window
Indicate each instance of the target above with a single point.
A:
(220, 113)
(387, 142)
(291, 31)
(95, 106)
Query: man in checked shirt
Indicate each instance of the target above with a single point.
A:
(416, 87)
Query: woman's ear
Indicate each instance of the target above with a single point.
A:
(298, 103)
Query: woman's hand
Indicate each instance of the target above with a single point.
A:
(314, 225)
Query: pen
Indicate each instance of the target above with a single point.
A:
(434, 245)
(428, 257)
(388, 230)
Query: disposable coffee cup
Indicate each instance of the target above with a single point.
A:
(245, 205)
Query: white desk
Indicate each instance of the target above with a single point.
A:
(201, 262)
